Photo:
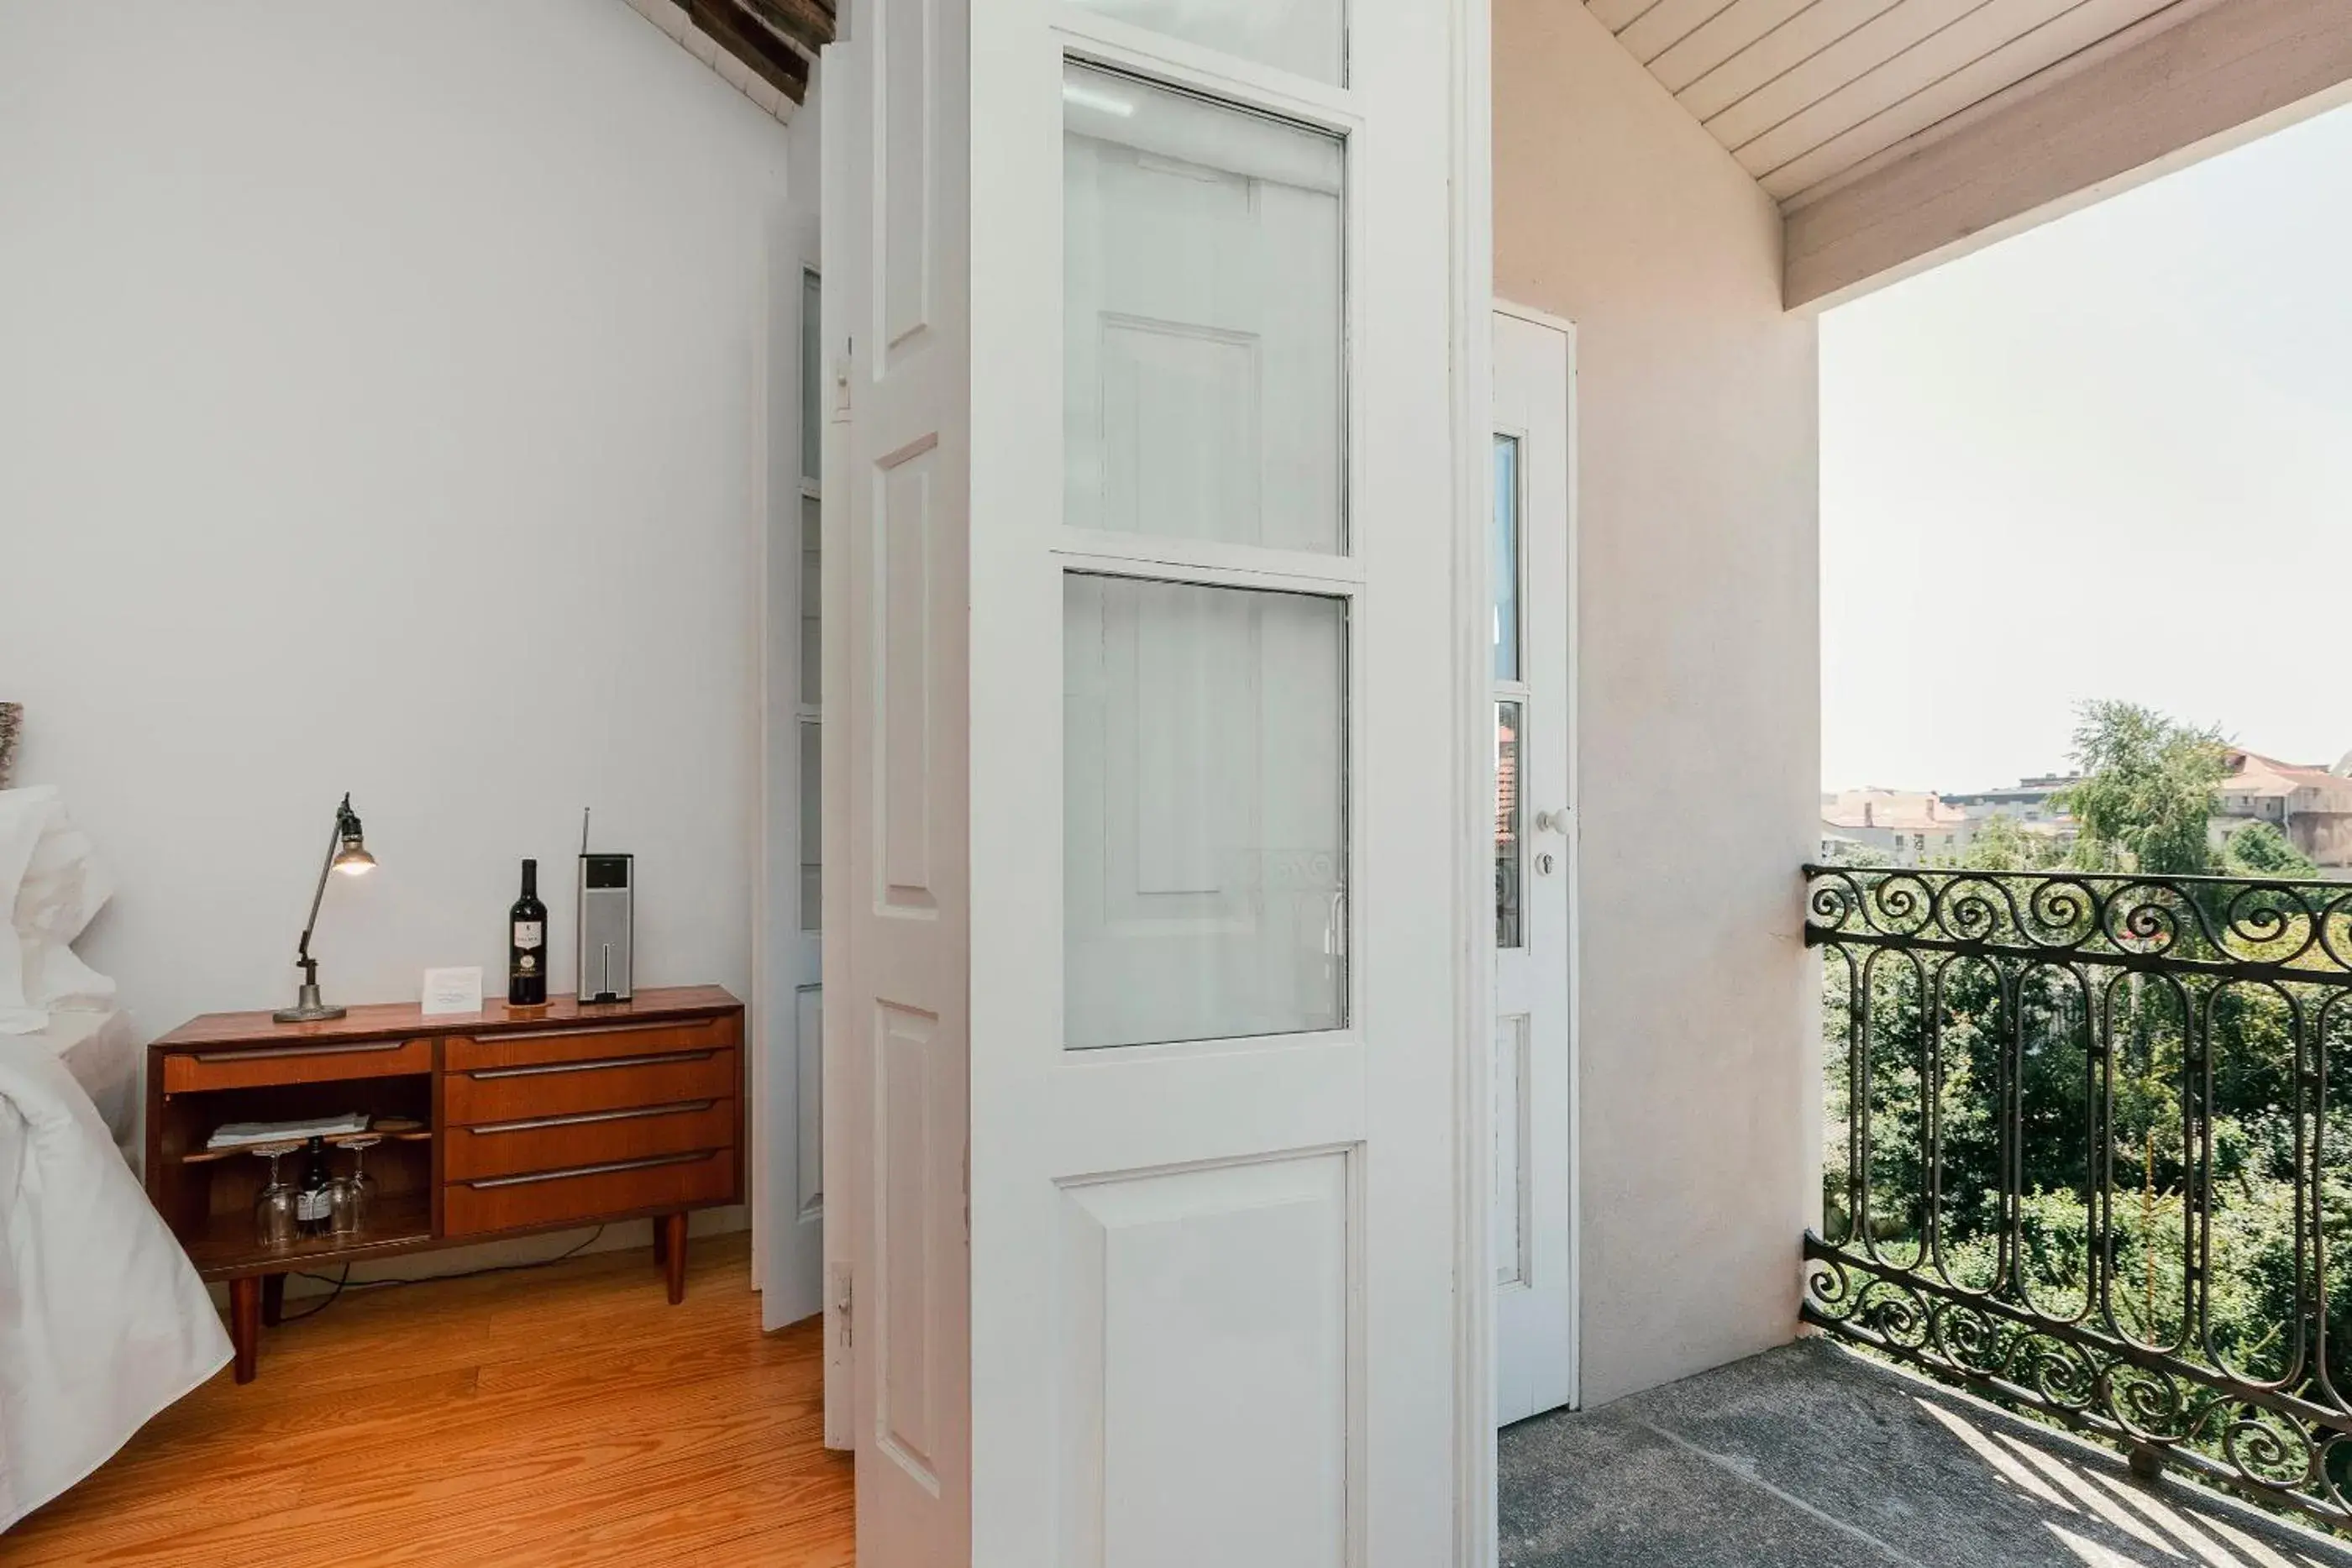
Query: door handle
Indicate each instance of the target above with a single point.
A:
(1552, 821)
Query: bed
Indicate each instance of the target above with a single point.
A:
(103, 1321)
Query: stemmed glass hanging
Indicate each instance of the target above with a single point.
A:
(353, 1192)
(274, 1223)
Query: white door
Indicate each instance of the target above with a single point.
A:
(1535, 851)
(790, 1015)
(1152, 821)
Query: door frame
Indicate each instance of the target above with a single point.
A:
(1572, 868)
(1470, 79)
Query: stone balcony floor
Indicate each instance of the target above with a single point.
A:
(1811, 1454)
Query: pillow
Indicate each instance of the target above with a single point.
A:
(56, 890)
(24, 815)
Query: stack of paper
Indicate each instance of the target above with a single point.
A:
(236, 1134)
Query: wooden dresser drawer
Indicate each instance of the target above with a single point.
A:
(270, 1065)
(529, 1092)
(667, 1181)
(588, 1042)
(587, 1138)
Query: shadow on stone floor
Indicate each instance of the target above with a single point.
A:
(1810, 1454)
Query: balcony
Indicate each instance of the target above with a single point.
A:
(2090, 1157)
(2087, 1238)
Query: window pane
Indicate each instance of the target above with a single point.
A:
(1202, 323)
(1204, 812)
(1506, 566)
(812, 381)
(812, 826)
(812, 601)
(1509, 929)
(1303, 36)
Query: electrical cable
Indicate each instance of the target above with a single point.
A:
(343, 1282)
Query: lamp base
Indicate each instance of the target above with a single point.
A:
(308, 1009)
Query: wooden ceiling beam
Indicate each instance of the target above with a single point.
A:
(2221, 74)
(808, 23)
(735, 27)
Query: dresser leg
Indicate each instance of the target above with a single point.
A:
(245, 1324)
(673, 1255)
(273, 1299)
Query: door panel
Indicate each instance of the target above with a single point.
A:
(1535, 861)
(896, 915)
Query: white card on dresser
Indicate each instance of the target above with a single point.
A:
(448, 991)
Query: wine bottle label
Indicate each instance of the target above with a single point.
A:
(529, 932)
(310, 1205)
(526, 963)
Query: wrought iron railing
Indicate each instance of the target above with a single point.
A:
(2091, 1153)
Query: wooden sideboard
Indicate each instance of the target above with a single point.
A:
(529, 1119)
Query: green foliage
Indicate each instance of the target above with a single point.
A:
(2003, 844)
(2258, 848)
(2150, 784)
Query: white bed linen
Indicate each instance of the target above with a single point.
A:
(102, 1050)
(103, 1322)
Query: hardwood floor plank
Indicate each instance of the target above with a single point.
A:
(567, 1415)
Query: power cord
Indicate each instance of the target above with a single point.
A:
(343, 1280)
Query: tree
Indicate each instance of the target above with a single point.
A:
(2258, 848)
(2149, 785)
(2003, 844)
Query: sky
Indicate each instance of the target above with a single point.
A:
(2110, 457)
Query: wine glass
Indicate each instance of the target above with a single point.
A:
(354, 1194)
(273, 1225)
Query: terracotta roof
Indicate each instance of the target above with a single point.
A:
(1902, 810)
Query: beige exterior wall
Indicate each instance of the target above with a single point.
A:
(1697, 628)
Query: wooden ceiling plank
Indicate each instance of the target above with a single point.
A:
(1618, 15)
(1857, 54)
(742, 35)
(1667, 24)
(1718, 39)
(808, 23)
(2081, 28)
(1783, 49)
(1991, 26)
(2176, 93)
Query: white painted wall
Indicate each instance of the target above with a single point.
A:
(1700, 694)
(384, 407)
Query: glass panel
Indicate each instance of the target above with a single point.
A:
(812, 601)
(1506, 565)
(1306, 36)
(812, 381)
(1201, 322)
(812, 825)
(1508, 931)
(1204, 811)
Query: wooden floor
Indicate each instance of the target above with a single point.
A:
(567, 1415)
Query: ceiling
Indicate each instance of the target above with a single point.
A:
(1805, 92)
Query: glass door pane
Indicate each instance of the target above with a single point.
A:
(1204, 811)
(1506, 567)
(1509, 836)
(1201, 335)
(1308, 36)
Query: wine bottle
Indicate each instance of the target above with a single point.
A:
(313, 1205)
(527, 944)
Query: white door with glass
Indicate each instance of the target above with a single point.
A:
(1532, 1246)
(1149, 951)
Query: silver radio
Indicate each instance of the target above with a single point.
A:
(606, 920)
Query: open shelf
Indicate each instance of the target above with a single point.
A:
(208, 1156)
(226, 1247)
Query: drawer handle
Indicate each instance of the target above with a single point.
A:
(683, 1107)
(651, 1163)
(637, 1028)
(277, 1052)
(545, 1069)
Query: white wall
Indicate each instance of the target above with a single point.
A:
(381, 410)
(1697, 628)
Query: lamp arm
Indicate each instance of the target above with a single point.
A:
(303, 951)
